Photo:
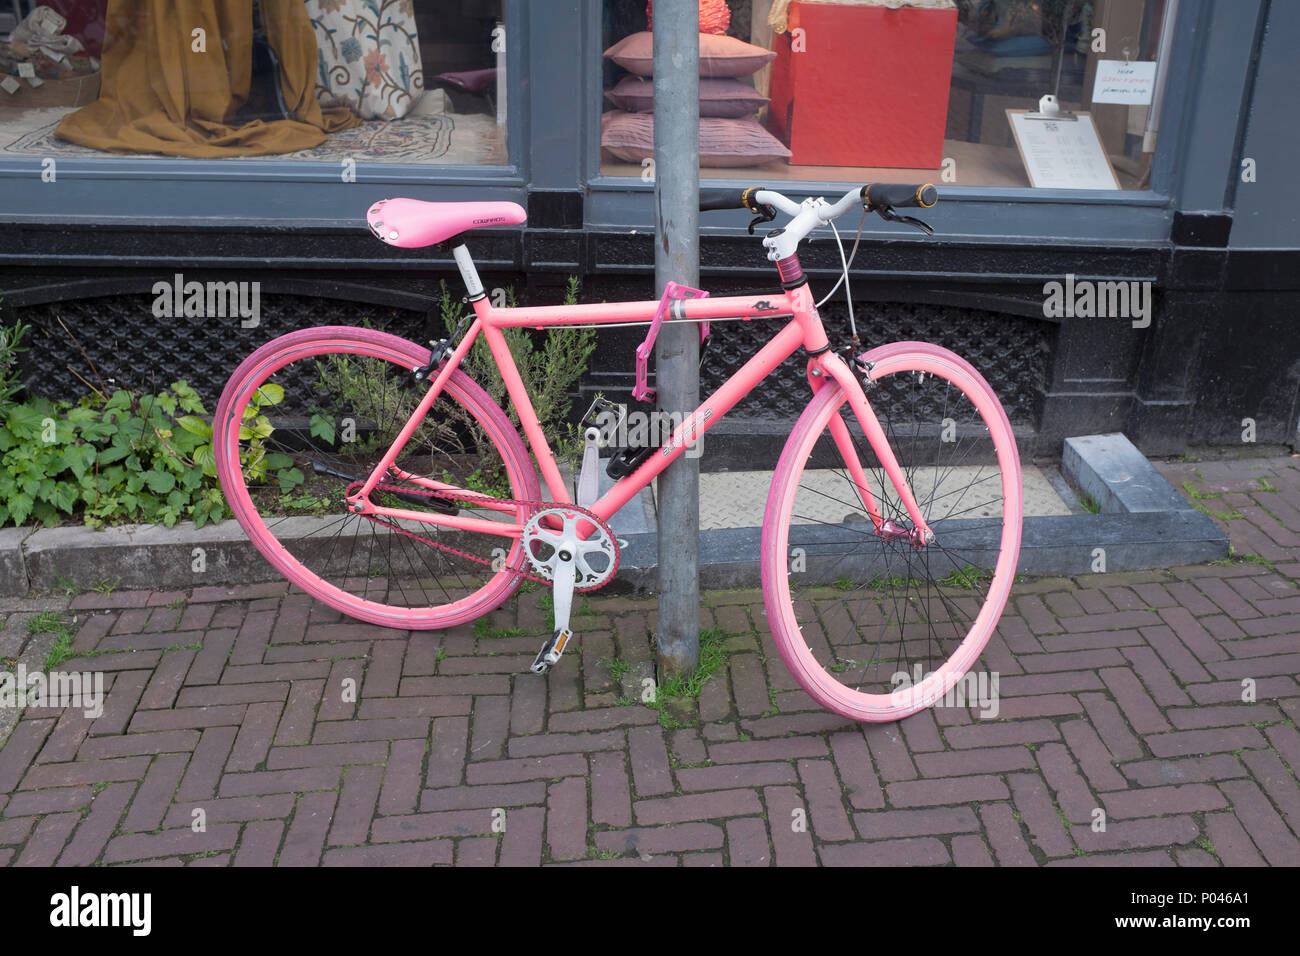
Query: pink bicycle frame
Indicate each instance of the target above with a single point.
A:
(803, 330)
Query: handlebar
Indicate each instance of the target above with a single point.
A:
(881, 198)
(872, 196)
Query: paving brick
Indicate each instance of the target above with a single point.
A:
(941, 790)
(664, 839)
(487, 796)
(1183, 742)
(853, 760)
(327, 755)
(566, 819)
(260, 843)
(822, 791)
(1034, 804)
(1153, 773)
(401, 790)
(65, 740)
(890, 824)
(1111, 727)
(541, 745)
(299, 713)
(280, 781)
(39, 802)
(1136, 834)
(232, 694)
(1271, 835)
(204, 771)
(699, 806)
(306, 837)
(529, 768)
(1093, 757)
(253, 740)
(1158, 801)
(356, 805)
(522, 843)
(651, 774)
(1005, 835)
(1002, 734)
(188, 717)
(477, 851)
(792, 843)
(84, 771)
(1231, 843)
(915, 851)
(181, 842)
(338, 698)
(231, 809)
(121, 703)
(747, 843)
(449, 742)
(130, 745)
(98, 825)
(47, 840)
(156, 792)
(1143, 715)
(351, 731)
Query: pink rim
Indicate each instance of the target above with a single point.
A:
(317, 341)
(811, 676)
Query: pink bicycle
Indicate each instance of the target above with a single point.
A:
(892, 526)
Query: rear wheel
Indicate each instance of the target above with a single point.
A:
(871, 622)
(308, 416)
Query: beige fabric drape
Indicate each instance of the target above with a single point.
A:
(160, 95)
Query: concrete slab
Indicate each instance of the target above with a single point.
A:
(1112, 472)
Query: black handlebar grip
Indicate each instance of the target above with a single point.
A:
(722, 199)
(898, 195)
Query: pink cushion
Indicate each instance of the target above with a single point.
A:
(719, 55)
(723, 142)
(719, 96)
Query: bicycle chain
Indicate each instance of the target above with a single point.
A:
(532, 506)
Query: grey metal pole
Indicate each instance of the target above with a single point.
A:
(677, 379)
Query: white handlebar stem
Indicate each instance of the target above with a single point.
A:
(808, 215)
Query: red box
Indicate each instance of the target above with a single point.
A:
(863, 85)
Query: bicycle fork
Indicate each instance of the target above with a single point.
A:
(919, 534)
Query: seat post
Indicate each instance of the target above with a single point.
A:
(473, 285)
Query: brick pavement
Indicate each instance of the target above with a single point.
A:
(301, 738)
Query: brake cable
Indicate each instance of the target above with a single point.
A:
(844, 276)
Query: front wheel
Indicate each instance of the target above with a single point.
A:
(871, 621)
(306, 419)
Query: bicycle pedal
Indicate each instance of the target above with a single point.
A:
(550, 653)
(628, 460)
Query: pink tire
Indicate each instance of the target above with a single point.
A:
(388, 577)
(943, 600)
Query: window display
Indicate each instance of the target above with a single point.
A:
(402, 81)
(893, 89)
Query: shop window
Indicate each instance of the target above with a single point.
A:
(949, 91)
(373, 81)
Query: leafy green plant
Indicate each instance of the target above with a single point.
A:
(122, 457)
(549, 370)
(10, 348)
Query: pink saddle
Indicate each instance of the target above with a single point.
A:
(411, 223)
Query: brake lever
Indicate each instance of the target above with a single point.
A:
(766, 213)
(888, 213)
